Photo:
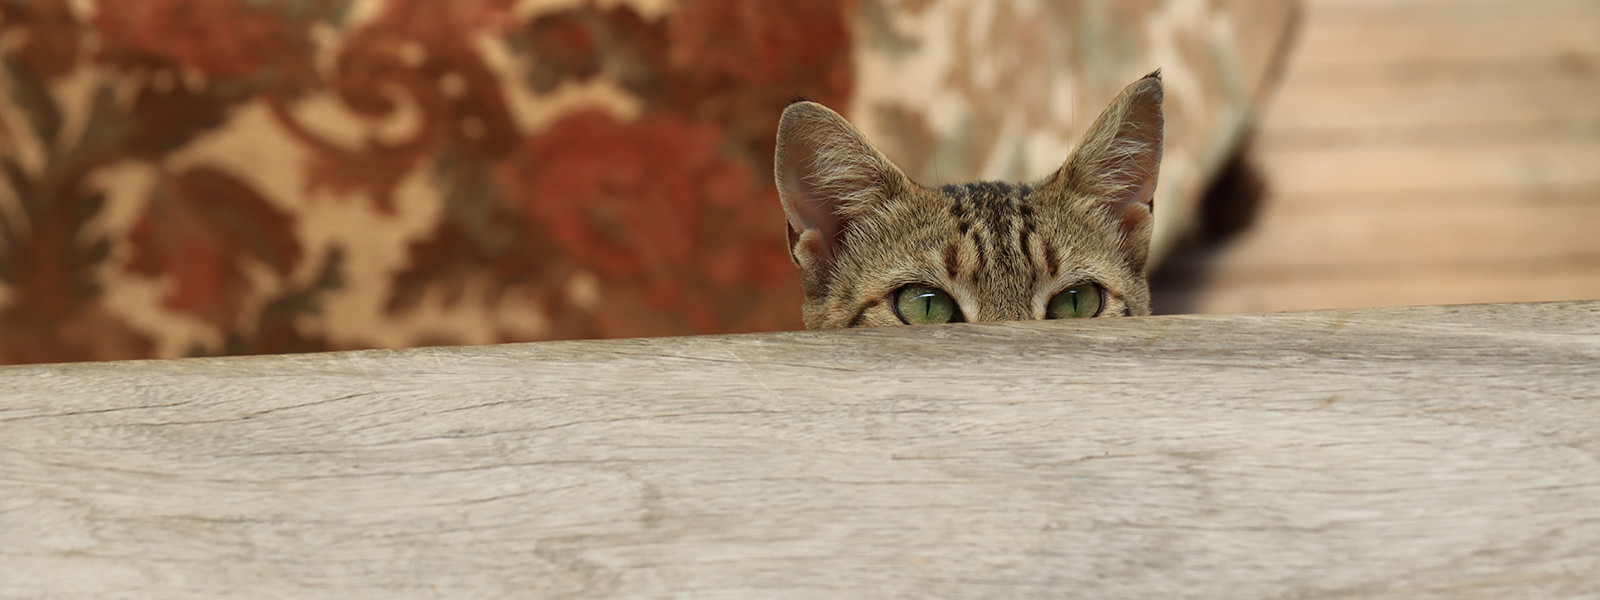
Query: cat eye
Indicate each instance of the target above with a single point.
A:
(919, 304)
(1077, 302)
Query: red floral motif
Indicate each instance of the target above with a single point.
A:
(50, 47)
(578, 44)
(741, 62)
(727, 61)
(674, 214)
(238, 49)
(91, 332)
(423, 51)
(199, 228)
(625, 197)
(453, 256)
(56, 313)
(656, 212)
(662, 224)
(568, 47)
(222, 39)
(441, 21)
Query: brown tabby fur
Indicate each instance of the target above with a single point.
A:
(859, 229)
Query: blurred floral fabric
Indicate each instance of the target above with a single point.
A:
(189, 177)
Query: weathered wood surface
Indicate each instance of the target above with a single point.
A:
(1402, 453)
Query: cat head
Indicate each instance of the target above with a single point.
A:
(876, 248)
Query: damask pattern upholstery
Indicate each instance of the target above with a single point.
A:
(188, 177)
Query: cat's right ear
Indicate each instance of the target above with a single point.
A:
(1117, 163)
(828, 176)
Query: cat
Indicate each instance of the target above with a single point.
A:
(875, 248)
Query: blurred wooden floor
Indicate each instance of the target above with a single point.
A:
(1419, 152)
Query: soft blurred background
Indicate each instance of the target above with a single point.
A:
(197, 177)
(1414, 152)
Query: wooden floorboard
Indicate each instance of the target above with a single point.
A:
(1260, 290)
(1517, 36)
(1486, 233)
(1419, 152)
(1406, 108)
(1448, 12)
(1354, 168)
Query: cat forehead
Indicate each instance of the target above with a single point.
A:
(986, 191)
(988, 199)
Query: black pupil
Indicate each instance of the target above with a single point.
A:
(926, 298)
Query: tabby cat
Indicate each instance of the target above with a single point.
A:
(875, 248)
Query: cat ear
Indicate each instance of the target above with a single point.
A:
(828, 175)
(1117, 163)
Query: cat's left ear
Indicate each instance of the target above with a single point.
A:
(1117, 162)
(828, 175)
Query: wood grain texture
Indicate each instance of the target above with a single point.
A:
(1395, 453)
(1418, 152)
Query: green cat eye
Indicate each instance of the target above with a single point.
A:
(918, 304)
(1077, 302)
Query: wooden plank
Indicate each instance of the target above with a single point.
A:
(1420, 152)
(1353, 170)
(1443, 12)
(1510, 35)
(1434, 200)
(1405, 232)
(1418, 453)
(1400, 112)
(1399, 283)
(1533, 73)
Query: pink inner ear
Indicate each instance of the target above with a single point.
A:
(810, 211)
(1136, 211)
(1135, 218)
(813, 210)
(817, 241)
